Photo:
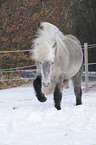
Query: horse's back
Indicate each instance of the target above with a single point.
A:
(75, 55)
(73, 38)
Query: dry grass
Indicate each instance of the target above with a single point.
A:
(14, 83)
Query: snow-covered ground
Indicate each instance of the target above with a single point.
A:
(25, 121)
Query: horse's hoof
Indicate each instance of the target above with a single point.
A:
(58, 107)
(42, 98)
(78, 102)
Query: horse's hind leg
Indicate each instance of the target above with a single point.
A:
(77, 86)
(37, 86)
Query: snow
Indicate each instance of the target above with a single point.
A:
(26, 121)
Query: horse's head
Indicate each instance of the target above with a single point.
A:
(46, 63)
(44, 50)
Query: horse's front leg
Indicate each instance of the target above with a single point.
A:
(37, 86)
(58, 97)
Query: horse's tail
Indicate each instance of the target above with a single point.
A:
(50, 90)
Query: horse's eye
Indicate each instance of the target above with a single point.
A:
(52, 63)
(37, 44)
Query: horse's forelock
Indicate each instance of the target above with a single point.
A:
(43, 52)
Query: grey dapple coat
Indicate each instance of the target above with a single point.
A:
(59, 58)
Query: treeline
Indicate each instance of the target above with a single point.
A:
(83, 16)
(20, 19)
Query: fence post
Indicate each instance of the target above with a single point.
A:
(86, 66)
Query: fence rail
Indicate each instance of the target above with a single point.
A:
(16, 79)
(15, 51)
(89, 46)
(21, 69)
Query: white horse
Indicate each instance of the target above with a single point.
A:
(58, 57)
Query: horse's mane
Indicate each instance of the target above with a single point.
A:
(46, 38)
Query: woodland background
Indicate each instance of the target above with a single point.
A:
(19, 21)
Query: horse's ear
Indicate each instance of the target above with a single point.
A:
(54, 44)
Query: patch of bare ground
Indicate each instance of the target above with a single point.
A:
(15, 83)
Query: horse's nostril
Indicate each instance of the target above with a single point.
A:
(44, 84)
(48, 84)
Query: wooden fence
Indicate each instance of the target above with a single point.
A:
(32, 69)
(86, 47)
